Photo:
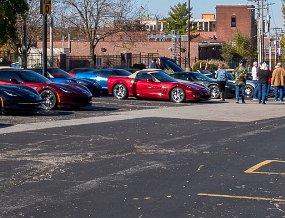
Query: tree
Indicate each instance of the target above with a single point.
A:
(98, 19)
(241, 47)
(178, 19)
(32, 20)
(10, 10)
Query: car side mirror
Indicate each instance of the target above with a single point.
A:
(149, 80)
(14, 81)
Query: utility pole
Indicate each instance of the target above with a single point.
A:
(45, 10)
(51, 40)
(25, 42)
(189, 35)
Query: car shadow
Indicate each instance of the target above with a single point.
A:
(91, 108)
(5, 125)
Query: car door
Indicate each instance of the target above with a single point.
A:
(143, 85)
(146, 87)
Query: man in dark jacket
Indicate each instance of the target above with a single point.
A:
(262, 76)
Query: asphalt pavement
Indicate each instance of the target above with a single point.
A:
(139, 158)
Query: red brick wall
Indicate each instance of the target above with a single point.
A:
(244, 21)
(81, 48)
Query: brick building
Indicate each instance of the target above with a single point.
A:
(214, 30)
(233, 18)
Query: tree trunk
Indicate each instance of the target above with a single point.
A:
(93, 56)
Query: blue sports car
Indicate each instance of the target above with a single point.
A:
(18, 98)
(60, 76)
(101, 75)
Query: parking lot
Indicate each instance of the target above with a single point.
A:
(140, 158)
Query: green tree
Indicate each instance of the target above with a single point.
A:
(177, 20)
(9, 12)
(241, 47)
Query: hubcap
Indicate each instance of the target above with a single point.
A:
(248, 92)
(215, 92)
(48, 99)
(177, 95)
(120, 91)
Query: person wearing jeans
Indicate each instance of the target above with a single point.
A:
(254, 71)
(278, 81)
(240, 81)
(262, 75)
(278, 92)
(240, 92)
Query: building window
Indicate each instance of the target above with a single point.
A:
(233, 21)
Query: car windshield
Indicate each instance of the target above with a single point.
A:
(199, 76)
(59, 73)
(163, 77)
(31, 76)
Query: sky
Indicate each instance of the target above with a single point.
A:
(162, 7)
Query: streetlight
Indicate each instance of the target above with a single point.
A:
(189, 14)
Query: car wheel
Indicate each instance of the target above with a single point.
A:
(177, 95)
(214, 92)
(49, 99)
(249, 91)
(120, 91)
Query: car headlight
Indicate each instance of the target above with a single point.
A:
(11, 94)
(65, 90)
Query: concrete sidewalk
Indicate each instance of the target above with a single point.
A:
(213, 111)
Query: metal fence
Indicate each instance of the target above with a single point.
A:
(124, 60)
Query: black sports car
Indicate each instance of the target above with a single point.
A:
(206, 81)
(17, 98)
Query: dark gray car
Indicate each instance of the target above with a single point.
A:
(206, 81)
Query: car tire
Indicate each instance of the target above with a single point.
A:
(49, 99)
(120, 91)
(249, 90)
(214, 92)
(177, 95)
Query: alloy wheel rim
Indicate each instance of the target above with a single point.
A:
(120, 91)
(215, 93)
(178, 95)
(48, 99)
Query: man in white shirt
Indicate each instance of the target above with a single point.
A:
(254, 70)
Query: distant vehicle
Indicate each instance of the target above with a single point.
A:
(60, 76)
(53, 94)
(17, 98)
(206, 81)
(101, 75)
(155, 84)
(249, 87)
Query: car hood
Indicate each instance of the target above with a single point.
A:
(194, 85)
(74, 87)
(20, 91)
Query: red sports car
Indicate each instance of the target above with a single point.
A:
(156, 84)
(53, 94)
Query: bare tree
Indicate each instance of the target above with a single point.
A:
(28, 31)
(98, 19)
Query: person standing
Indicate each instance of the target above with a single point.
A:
(221, 76)
(154, 64)
(262, 75)
(278, 81)
(240, 81)
(254, 70)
